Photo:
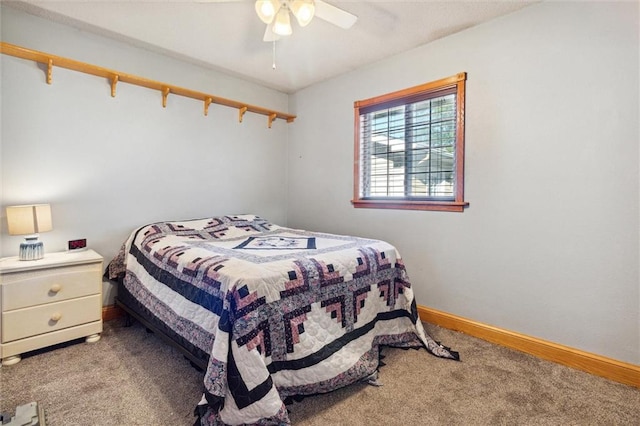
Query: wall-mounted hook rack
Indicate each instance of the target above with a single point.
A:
(116, 76)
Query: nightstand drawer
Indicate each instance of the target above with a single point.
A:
(32, 321)
(24, 289)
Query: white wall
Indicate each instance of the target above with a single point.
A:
(107, 164)
(549, 244)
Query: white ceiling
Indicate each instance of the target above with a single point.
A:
(227, 35)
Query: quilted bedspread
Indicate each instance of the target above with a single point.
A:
(279, 311)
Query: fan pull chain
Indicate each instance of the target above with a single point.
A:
(274, 55)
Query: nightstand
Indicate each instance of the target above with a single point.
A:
(49, 301)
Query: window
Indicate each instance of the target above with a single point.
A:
(409, 148)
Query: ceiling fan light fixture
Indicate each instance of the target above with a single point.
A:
(303, 10)
(282, 24)
(267, 10)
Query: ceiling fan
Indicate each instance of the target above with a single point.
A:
(277, 15)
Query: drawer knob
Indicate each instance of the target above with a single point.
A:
(56, 288)
(56, 316)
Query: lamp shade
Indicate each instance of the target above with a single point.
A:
(29, 219)
(282, 24)
(267, 9)
(303, 10)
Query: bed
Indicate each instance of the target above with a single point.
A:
(268, 312)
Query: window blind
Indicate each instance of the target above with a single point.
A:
(407, 148)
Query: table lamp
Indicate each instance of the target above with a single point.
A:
(29, 220)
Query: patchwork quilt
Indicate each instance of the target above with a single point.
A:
(278, 311)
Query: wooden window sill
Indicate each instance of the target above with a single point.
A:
(445, 206)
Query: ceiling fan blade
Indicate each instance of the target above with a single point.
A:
(334, 15)
(269, 35)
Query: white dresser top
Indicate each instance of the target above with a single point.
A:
(63, 258)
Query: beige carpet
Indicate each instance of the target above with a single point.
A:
(130, 377)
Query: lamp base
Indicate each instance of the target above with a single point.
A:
(31, 249)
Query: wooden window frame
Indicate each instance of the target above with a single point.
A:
(458, 204)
